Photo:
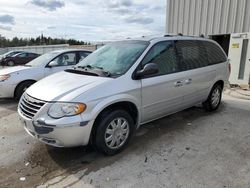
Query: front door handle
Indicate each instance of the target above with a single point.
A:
(188, 81)
(178, 84)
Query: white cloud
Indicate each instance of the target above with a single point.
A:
(50, 5)
(7, 19)
(85, 20)
(6, 28)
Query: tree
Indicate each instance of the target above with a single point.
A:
(40, 40)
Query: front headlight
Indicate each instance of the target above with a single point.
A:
(4, 77)
(59, 110)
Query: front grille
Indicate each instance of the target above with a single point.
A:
(29, 106)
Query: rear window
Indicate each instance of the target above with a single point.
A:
(214, 52)
(191, 54)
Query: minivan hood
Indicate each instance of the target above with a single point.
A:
(10, 70)
(64, 86)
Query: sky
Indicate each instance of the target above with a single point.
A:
(96, 20)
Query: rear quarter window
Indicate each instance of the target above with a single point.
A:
(191, 54)
(214, 53)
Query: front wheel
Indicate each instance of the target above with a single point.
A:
(213, 101)
(11, 63)
(21, 88)
(114, 131)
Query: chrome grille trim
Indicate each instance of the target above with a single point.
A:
(29, 106)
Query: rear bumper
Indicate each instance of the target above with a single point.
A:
(7, 90)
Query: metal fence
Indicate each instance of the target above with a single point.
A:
(3, 50)
(37, 49)
(47, 48)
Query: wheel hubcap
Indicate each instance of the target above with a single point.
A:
(215, 97)
(11, 63)
(116, 133)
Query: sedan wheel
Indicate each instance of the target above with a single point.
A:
(11, 63)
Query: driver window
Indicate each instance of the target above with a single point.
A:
(22, 55)
(162, 54)
(66, 59)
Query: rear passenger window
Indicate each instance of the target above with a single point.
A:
(31, 55)
(191, 54)
(214, 52)
(162, 54)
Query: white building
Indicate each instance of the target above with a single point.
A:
(226, 21)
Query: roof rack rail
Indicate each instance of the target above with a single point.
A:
(168, 35)
(202, 35)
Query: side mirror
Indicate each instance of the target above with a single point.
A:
(53, 64)
(149, 69)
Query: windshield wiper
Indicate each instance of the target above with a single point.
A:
(27, 65)
(108, 74)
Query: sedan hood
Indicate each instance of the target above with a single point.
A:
(64, 86)
(10, 70)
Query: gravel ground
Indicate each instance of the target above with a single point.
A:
(192, 149)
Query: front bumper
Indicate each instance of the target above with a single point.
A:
(7, 90)
(61, 133)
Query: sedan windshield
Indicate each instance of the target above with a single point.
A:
(115, 58)
(11, 53)
(43, 59)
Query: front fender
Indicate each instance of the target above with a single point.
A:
(100, 106)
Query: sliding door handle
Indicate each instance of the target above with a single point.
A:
(178, 84)
(188, 81)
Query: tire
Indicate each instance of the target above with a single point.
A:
(21, 88)
(214, 99)
(11, 63)
(106, 128)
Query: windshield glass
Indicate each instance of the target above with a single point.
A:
(11, 53)
(115, 58)
(45, 58)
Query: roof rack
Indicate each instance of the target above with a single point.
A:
(180, 34)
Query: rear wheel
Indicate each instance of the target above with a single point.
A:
(114, 130)
(11, 63)
(213, 101)
(21, 88)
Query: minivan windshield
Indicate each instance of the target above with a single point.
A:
(116, 57)
(43, 59)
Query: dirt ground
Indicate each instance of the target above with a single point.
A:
(192, 149)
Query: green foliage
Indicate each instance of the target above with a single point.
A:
(41, 40)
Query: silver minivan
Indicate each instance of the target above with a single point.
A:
(124, 84)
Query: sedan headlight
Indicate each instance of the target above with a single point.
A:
(4, 77)
(59, 110)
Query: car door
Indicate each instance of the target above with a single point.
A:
(162, 94)
(21, 58)
(193, 62)
(61, 62)
(30, 57)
